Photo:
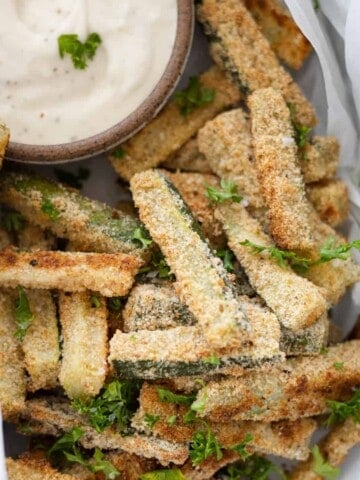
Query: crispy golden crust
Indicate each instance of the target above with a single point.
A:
(109, 274)
(4, 140)
(31, 469)
(330, 199)
(41, 342)
(170, 129)
(278, 27)
(188, 159)
(192, 187)
(12, 372)
(320, 159)
(298, 388)
(334, 449)
(242, 49)
(296, 302)
(131, 466)
(278, 172)
(84, 330)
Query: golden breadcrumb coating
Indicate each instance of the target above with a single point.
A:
(330, 199)
(188, 159)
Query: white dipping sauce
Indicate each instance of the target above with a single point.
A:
(44, 99)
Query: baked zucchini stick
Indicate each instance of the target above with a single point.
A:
(162, 137)
(12, 371)
(330, 199)
(90, 225)
(41, 342)
(333, 448)
(111, 274)
(298, 388)
(84, 330)
(54, 416)
(278, 172)
(296, 302)
(188, 159)
(4, 140)
(320, 159)
(31, 469)
(239, 46)
(202, 281)
(286, 439)
(308, 341)
(278, 26)
(166, 353)
(32, 237)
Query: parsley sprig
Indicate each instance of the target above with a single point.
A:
(67, 445)
(254, 468)
(179, 399)
(166, 474)
(340, 411)
(193, 97)
(49, 209)
(203, 445)
(71, 179)
(116, 404)
(321, 467)
(228, 191)
(23, 314)
(158, 264)
(151, 420)
(227, 257)
(80, 52)
(13, 221)
(301, 132)
(141, 236)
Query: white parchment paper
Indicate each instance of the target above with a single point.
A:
(331, 80)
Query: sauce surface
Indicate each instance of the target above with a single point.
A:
(44, 99)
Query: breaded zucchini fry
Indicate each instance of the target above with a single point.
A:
(188, 159)
(12, 372)
(239, 46)
(84, 329)
(297, 388)
(286, 439)
(162, 137)
(308, 341)
(330, 199)
(90, 225)
(111, 274)
(278, 26)
(31, 469)
(333, 448)
(4, 140)
(32, 237)
(278, 172)
(296, 302)
(41, 342)
(202, 281)
(320, 159)
(54, 416)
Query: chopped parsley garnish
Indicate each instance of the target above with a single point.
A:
(301, 132)
(227, 257)
(179, 399)
(322, 468)
(203, 445)
(80, 52)
(23, 314)
(116, 404)
(118, 153)
(241, 447)
(49, 209)
(95, 301)
(228, 191)
(340, 411)
(254, 468)
(193, 97)
(159, 265)
(141, 236)
(114, 304)
(212, 359)
(324, 351)
(71, 179)
(151, 420)
(67, 446)
(168, 474)
(339, 365)
(171, 420)
(13, 221)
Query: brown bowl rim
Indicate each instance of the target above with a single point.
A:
(121, 131)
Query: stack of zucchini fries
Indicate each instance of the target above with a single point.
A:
(187, 334)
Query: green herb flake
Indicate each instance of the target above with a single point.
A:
(23, 314)
(151, 420)
(116, 404)
(241, 447)
(67, 441)
(322, 468)
(95, 301)
(80, 52)
(74, 180)
(228, 191)
(301, 132)
(158, 264)
(118, 153)
(49, 209)
(254, 468)
(168, 474)
(324, 351)
(114, 304)
(141, 236)
(179, 399)
(227, 257)
(340, 411)
(171, 420)
(204, 445)
(193, 97)
(212, 360)
(339, 365)
(99, 464)
(13, 221)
